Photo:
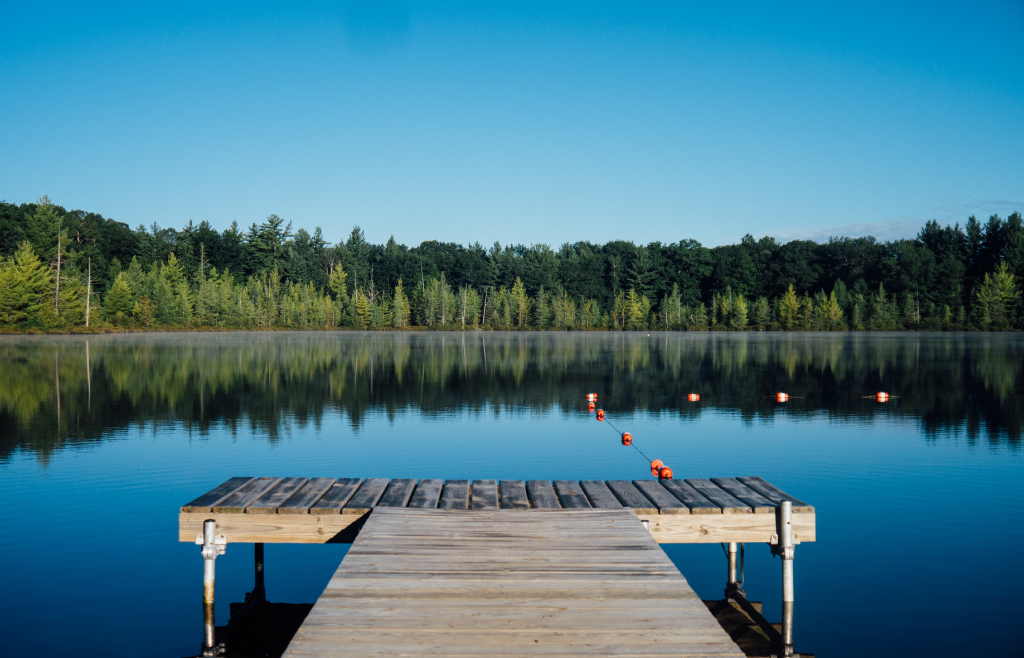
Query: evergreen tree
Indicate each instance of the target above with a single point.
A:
(24, 289)
(119, 302)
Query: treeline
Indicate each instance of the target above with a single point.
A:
(63, 269)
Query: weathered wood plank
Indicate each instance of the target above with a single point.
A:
(276, 496)
(305, 497)
(686, 494)
(366, 496)
(484, 494)
(236, 502)
(571, 495)
(337, 496)
(426, 495)
(631, 497)
(455, 495)
(206, 502)
(397, 494)
(773, 493)
(718, 528)
(744, 494)
(666, 502)
(513, 494)
(542, 494)
(271, 528)
(719, 497)
(599, 494)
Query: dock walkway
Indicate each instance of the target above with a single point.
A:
(475, 583)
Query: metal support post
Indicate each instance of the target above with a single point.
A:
(213, 545)
(259, 592)
(786, 550)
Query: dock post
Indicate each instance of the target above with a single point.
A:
(259, 592)
(786, 551)
(733, 585)
(213, 545)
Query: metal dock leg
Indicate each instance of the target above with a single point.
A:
(786, 550)
(213, 545)
(259, 592)
(734, 586)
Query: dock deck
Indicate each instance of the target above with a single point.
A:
(578, 582)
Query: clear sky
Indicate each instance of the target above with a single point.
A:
(522, 123)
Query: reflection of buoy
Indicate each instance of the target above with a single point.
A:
(693, 397)
(600, 414)
(656, 466)
(627, 438)
(665, 473)
(882, 397)
(590, 407)
(781, 397)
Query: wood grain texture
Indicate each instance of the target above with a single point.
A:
(578, 582)
(206, 502)
(337, 496)
(717, 528)
(631, 497)
(306, 497)
(270, 528)
(455, 495)
(719, 497)
(513, 494)
(660, 496)
(366, 496)
(276, 496)
(484, 494)
(599, 494)
(236, 502)
(542, 494)
(426, 495)
(688, 496)
(397, 494)
(773, 493)
(571, 495)
(758, 503)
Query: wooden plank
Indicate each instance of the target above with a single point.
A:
(631, 497)
(696, 503)
(206, 502)
(666, 502)
(599, 494)
(397, 494)
(272, 528)
(570, 495)
(773, 493)
(726, 502)
(426, 495)
(498, 583)
(276, 496)
(455, 495)
(542, 495)
(741, 492)
(366, 496)
(236, 502)
(306, 497)
(337, 496)
(718, 528)
(484, 494)
(513, 494)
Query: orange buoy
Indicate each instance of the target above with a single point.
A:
(781, 397)
(600, 414)
(693, 397)
(590, 407)
(592, 397)
(627, 439)
(665, 473)
(656, 466)
(882, 397)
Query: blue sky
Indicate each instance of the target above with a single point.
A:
(522, 123)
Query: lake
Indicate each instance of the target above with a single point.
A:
(919, 500)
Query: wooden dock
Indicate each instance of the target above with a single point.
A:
(321, 510)
(579, 582)
(485, 568)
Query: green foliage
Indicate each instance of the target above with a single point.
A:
(25, 286)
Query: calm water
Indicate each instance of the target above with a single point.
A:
(919, 500)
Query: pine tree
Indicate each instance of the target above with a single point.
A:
(24, 288)
(789, 309)
(119, 303)
(400, 307)
(520, 303)
(738, 319)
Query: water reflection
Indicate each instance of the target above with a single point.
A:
(60, 391)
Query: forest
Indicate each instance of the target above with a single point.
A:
(72, 270)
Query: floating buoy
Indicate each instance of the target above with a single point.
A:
(656, 467)
(781, 397)
(665, 473)
(693, 397)
(590, 407)
(600, 414)
(592, 397)
(627, 439)
(882, 397)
